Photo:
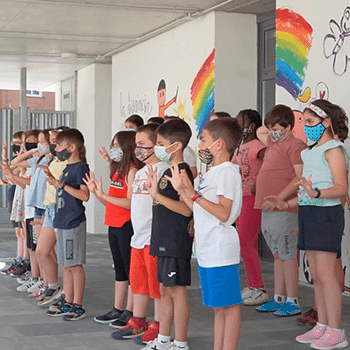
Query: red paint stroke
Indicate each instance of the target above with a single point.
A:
(322, 94)
(202, 75)
(291, 22)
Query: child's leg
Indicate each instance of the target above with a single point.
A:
(166, 311)
(340, 273)
(19, 243)
(280, 286)
(141, 302)
(68, 285)
(157, 309)
(24, 237)
(227, 327)
(121, 290)
(181, 311)
(78, 276)
(291, 276)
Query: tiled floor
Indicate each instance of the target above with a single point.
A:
(23, 325)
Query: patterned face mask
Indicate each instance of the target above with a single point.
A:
(204, 154)
(276, 135)
(143, 153)
(43, 149)
(117, 154)
(314, 133)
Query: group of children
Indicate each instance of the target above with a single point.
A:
(252, 177)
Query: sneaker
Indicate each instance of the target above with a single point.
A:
(50, 295)
(9, 270)
(149, 335)
(247, 292)
(258, 297)
(25, 286)
(152, 345)
(110, 316)
(38, 285)
(21, 270)
(310, 336)
(131, 330)
(75, 313)
(331, 339)
(58, 303)
(26, 277)
(270, 306)
(308, 318)
(288, 309)
(59, 311)
(122, 320)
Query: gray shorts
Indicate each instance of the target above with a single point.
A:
(278, 229)
(71, 246)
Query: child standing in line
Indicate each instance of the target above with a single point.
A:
(282, 163)
(216, 205)
(249, 156)
(321, 217)
(143, 267)
(70, 222)
(123, 168)
(170, 240)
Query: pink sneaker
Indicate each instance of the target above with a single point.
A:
(331, 339)
(310, 336)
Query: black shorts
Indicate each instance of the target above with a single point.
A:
(321, 228)
(16, 224)
(174, 271)
(31, 241)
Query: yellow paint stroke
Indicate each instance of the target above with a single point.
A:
(305, 96)
(294, 44)
(180, 110)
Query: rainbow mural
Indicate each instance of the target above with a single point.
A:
(202, 93)
(293, 43)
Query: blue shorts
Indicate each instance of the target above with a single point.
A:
(221, 286)
(49, 215)
(38, 213)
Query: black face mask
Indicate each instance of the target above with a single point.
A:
(63, 155)
(31, 145)
(52, 149)
(16, 148)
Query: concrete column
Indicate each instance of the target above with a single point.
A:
(23, 99)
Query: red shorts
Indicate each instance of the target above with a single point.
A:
(143, 273)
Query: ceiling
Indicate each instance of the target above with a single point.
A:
(37, 33)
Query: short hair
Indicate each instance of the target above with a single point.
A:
(73, 136)
(161, 85)
(227, 129)
(33, 132)
(18, 135)
(135, 119)
(280, 114)
(222, 115)
(156, 120)
(150, 130)
(176, 131)
(170, 117)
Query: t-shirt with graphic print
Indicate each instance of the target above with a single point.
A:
(141, 207)
(70, 211)
(169, 229)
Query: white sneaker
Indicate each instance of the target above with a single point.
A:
(259, 297)
(26, 285)
(247, 292)
(27, 276)
(153, 345)
(38, 285)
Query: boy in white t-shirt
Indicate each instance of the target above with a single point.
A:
(143, 267)
(216, 205)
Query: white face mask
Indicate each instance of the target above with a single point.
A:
(43, 149)
(117, 154)
(161, 153)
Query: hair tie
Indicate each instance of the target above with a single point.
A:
(320, 112)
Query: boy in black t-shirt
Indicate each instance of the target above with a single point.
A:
(170, 240)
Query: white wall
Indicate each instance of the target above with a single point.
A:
(236, 65)
(94, 121)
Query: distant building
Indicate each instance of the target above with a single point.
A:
(36, 100)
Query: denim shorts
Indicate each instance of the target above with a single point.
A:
(49, 215)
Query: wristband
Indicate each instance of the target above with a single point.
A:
(63, 186)
(195, 197)
(318, 192)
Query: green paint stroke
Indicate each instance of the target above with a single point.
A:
(288, 56)
(287, 45)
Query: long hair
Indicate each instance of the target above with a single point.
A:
(74, 136)
(126, 140)
(46, 134)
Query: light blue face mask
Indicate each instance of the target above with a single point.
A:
(161, 153)
(117, 154)
(314, 133)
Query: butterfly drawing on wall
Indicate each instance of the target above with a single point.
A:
(333, 43)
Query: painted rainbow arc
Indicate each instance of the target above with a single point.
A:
(293, 43)
(202, 93)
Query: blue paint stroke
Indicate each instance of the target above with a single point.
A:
(206, 110)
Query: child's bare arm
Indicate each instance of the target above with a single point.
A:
(21, 160)
(263, 133)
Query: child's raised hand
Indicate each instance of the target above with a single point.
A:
(46, 171)
(186, 183)
(99, 187)
(273, 202)
(90, 181)
(4, 151)
(175, 178)
(306, 184)
(152, 184)
(104, 154)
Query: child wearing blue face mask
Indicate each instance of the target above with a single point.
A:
(321, 216)
(123, 167)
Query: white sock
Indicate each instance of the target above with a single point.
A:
(162, 341)
(293, 301)
(54, 286)
(322, 325)
(180, 344)
(280, 299)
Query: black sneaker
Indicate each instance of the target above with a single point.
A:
(10, 269)
(21, 270)
(58, 303)
(109, 317)
(122, 320)
(59, 311)
(76, 313)
(50, 296)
